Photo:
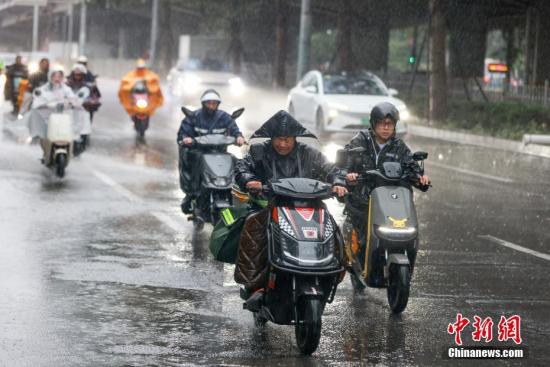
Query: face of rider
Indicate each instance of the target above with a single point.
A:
(44, 65)
(57, 78)
(283, 145)
(78, 76)
(384, 130)
(211, 106)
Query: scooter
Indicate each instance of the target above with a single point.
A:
(82, 125)
(386, 257)
(140, 98)
(216, 167)
(59, 139)
(304, 247)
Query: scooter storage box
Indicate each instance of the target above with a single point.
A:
(60, 127)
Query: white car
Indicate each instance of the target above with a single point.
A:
(191, 78)
(341, 102)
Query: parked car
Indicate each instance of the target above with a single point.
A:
(188, 79)
(341, 102)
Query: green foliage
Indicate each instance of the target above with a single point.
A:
(400, 49)
(323, 45)
(508, 120)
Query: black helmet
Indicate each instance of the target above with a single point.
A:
(381, 111)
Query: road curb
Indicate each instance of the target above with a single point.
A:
(479, 140)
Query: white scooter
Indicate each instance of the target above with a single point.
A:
(59, 140)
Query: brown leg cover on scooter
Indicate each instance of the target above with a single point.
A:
(251, 265)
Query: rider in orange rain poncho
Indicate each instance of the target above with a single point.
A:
(151, 80)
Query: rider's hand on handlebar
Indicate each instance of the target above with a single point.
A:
(254, 185)
(341, 191)
(351, 178)
(187, 140)
(424, 180)
(240, 141)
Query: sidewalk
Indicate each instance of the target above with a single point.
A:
(479, 140)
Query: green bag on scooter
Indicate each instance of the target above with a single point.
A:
(224, 241)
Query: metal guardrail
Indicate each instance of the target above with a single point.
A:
(536, 139)
(538, 95)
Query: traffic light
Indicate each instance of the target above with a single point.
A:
(412, 59)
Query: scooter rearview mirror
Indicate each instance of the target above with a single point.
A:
(187, 112)
(341, 157)
(237, 113)
(420, 156)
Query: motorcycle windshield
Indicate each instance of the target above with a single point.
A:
(214, 139)
(301, 188)
(218, 165)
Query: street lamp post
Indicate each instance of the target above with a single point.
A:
(154, 31)
(82, 32)
(304, 41)
(35, 16)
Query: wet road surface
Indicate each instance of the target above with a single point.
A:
(102, 269)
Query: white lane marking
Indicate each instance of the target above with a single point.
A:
(162, 217)
(117, 187)
(516, 247)
(168, 221)
(472, 173)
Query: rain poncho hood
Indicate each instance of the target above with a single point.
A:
(282, 124)
(55, 69)
(152, 82)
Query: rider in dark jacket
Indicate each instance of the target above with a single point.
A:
(207, 120)
(379, 145)
(264, 161)
(15, 73)
(40, 77)
(279, 157)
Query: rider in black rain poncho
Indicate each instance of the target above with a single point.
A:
(279, 157)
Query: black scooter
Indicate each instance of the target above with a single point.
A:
(216, 175)
(304, 257)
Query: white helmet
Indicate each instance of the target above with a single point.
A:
(79, 68)
(56, 68)
(210, 95)
(82, 59)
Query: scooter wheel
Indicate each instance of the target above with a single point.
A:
(308, 325)
(399, 283)
(60, 163)
(259, 321)
(356, 283)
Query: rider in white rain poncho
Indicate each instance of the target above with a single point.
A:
(45, 101)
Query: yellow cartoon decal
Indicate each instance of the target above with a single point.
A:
(398, 223)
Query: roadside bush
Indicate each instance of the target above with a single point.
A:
(509, 120)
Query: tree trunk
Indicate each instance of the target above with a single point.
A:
(344, 45)
(236, 46)
(166, 40)
(438, 76)
(281, 50)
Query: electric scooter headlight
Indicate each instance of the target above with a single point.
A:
(237, 86)
(142, 104)
(221, 181)
(385, 232)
